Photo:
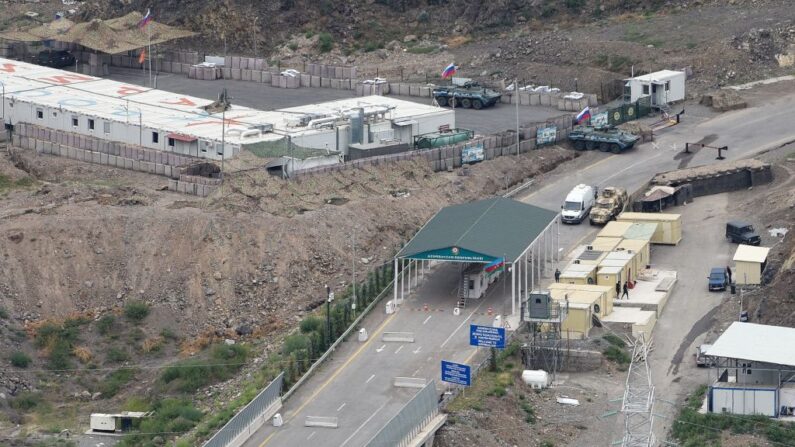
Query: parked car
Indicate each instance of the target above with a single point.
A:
(290, 73)
(701, 356)
(718, 279)
(55, 58)
(741, 232)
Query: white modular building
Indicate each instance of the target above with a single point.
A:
(173, 122)
(663, 87)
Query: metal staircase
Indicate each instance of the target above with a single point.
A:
(463, 291)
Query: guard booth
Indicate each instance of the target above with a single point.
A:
(749, 264)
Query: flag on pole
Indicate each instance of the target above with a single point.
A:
(449, 71)
(142, 56)
(146, 19)
(584, 115)
(495, 266)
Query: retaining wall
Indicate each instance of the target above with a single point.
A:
(740, 176)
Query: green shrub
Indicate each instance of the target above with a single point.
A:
(116, 355)
(372, 45)
(292, 46)
(136, 311)
(616, 354)
(325, 42)
(529, 411)
(26, 401)
(115, 381)
(575, 4)
(60, 354)
(105, 324)
(423, 17)
(311, 324)
(20, 360)
(615, 340)
(170, 416)
(498, 391)
(309, 33)
(3, 313)
(189, 375)
(169, 334)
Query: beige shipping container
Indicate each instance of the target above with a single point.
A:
(669, 226)
(604, 294)
(578, 322)
(604, 243)
(614, 229)
(616, 257)
(641, 250)
(624, 264)
(579, 274)
(608, 277)
(749, 263)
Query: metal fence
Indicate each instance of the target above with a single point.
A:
(243, 419)
(402, 428)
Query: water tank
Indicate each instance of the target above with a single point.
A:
(535, 378)
(357, 126)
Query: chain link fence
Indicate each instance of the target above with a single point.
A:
(401, 429)
(242, 421)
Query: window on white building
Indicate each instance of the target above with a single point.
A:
(40, 114)
(645, 89)
(155, 137)
(90, 124)
(106, 127)
(171, 142)
(75, 121)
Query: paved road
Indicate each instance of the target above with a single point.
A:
(265, 97)
(356, 386)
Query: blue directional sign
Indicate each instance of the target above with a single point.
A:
(487, 336)
(457, 373)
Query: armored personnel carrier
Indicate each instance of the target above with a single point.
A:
(470, 94)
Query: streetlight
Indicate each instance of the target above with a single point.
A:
(3, 100)
(329, 299)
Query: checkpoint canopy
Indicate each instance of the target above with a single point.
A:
(486, 231)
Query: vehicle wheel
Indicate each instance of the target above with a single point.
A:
(442, 100)
(466, 103)
(614, 148)
(477, 104)
(579, 145)
(453, 102)
(590, 145)
(604, 147)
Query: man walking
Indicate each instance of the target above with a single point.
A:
(618, 290)
(557, 275)
(729, 273)
(626, 291)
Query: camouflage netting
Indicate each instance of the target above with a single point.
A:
(112, 36)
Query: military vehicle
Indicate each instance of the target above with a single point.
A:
(609, 204)
(608, 139)
(470, 94)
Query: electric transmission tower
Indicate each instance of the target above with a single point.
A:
(638, 401)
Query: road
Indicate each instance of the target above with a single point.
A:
(265, 97)
(356, 386)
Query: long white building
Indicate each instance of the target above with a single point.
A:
(173, 122)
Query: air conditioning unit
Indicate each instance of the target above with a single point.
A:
(576, 261)
(589, 247)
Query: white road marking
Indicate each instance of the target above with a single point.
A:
(630, 167)
(363, 424)
(381, 348)
(311, 435)
(426, 320)
(462, 323)
(415, 372)
(417, 351)
(371, 378)
(398, 349)
(341, 406)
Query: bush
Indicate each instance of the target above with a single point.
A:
(168, 334)
(26, 401)
(615, 340)
(136, 311)
(116, 355)
(325, 42)
(105, 324)
(189, 375)
(372, 45)
(309, 33)
(170, 416)
(115, 381)
(311, 324)
(3, 313)
(616, 354)
(575, 4)
(20, 360)
(60, 353)
(423, 17)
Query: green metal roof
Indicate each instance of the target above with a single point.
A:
(641, 231)
(480, 231)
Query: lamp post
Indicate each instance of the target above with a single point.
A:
(3, 100)
(329, 299)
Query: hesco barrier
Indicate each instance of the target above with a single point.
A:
(255, 413)
(402, 428)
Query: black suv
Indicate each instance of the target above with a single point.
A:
(56, 58)
(742, 233)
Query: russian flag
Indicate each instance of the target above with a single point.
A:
(584, 115)
(146, 19)
(449, 71)
(495, 265)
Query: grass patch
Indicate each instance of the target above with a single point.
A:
(115, 381)
(117, 355)
(325, 42)
(633, 34)
(617, 355)
(190, 375)
(3, 313)
(136, 311)
(26, 401)
(7, 184)
(20, 360)
(106, 324)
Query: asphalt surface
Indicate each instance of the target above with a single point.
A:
(357, 384)
(265, 97)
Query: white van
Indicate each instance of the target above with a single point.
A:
(578, 204)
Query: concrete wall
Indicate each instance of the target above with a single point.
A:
(719, 182)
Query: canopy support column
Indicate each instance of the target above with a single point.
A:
(395, 281)
(513, 283)
(525, 278)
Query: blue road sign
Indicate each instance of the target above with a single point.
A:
(457, 373)
(487, 336)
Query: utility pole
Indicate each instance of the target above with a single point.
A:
(256, 38)
(329, 299)
(516, 92)
(638, 403)
(353, 263)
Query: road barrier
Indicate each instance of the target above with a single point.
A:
(321, 421)
(403, 337)
(251, 417)
(412, 418)
(409, 382)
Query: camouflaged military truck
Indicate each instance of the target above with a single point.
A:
(609, 204)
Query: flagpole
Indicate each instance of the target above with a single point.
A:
(149, 35)
(516, 92)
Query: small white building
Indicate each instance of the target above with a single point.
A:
(755, 368)
(663, 87)
(749, 264)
